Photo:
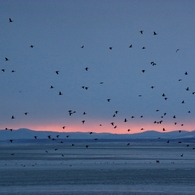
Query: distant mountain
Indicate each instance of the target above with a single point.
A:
(29, 134)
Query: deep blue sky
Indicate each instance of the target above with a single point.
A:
(58, 29)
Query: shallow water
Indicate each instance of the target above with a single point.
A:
(103, 168)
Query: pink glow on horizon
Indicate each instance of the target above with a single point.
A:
(121, 127)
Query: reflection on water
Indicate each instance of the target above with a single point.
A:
(100, 169)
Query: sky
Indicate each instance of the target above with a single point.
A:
(122, 65)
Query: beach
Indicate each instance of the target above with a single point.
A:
(102, 168)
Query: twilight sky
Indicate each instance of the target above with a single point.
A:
(106, 30)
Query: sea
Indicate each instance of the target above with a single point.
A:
(97, 168)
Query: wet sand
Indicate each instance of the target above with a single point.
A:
(103, 168)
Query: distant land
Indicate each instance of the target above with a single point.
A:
(24, 133)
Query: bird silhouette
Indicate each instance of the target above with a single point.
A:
(10, 20)
(154, 33)
(153, 63)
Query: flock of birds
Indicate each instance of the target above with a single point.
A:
(112, 123)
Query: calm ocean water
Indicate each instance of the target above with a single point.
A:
(103, 168)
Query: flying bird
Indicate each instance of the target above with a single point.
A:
(10, 20)
(177, 50)
(154, 33)
(153, 63)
